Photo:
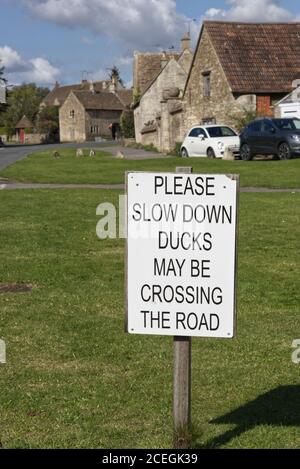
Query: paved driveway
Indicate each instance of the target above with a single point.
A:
(12, 153)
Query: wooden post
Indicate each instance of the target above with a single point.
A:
(182, 381)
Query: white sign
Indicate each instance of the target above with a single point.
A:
(181, 254)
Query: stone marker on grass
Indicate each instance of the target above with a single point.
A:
(92, 153)
(79, 152)
(55, 154)
(228, 154)
(120, 155)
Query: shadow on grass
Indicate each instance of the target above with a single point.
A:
(278, 407)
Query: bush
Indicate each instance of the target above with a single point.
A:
(127, 124)
(176, 150)
(241, 120)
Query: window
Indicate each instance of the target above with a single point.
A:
(255, 126)
(287, 124)
(206, 84)
(268, 127)
(94, 129)
(72, 114)
(217, 132)
(196, 132)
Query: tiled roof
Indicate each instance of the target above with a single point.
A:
(59, 94)
(125, 96)
(263, 57)
(100, 101)
(148, 66)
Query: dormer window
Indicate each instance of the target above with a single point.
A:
(72, 114)
(206, 84)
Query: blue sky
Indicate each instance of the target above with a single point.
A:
(65, 40)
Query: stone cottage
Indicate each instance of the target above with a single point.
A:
(157, 78)
(236, 68)
(86, 115)
(240, 67)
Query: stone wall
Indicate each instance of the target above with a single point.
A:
(151, 105)
(151, 137)
(84, 125)
(72, 125)
(100, 119)
(221, 106)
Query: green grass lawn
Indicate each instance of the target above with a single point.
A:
(106, 169)
(74, 379)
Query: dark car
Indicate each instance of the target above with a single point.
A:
(271, 136)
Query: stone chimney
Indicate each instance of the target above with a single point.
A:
(92, 88)
(56, 85)
(113, 85)
(186, 42)
(164, 60)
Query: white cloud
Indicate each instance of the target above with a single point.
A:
(11, 59)
(141, 24)
(17, 69)
(42, 71)
(251, 10)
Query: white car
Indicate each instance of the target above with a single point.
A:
(210, 141)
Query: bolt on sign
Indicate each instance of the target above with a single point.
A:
(181, 254)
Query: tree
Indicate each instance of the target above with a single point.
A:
(48, 123)
(127, 124)
(115, 74)
(22, 100)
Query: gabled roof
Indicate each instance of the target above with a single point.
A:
(99, 101)
(257, 57)
(147, 66)
(59, 94)
(24, 123)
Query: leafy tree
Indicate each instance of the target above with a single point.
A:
(48, 123)
(22, 100)
(115, 73)
(127, 124)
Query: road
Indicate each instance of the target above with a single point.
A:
(12, 153)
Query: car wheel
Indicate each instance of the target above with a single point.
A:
(284, 151)
(184, 153)
(246, 153)
(210, 153)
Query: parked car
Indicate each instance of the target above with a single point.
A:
(268, 136)
(210, 141)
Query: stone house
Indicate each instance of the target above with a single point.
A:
(236, 68)
(240, 67)
(157, 78)
(86, 115)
